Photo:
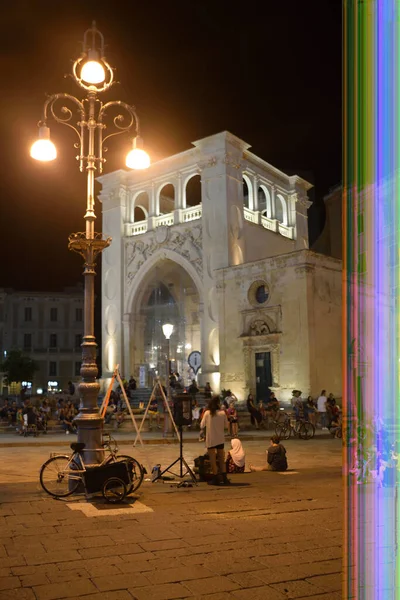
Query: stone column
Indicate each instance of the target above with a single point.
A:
(113, 198)
(179, 199)
(153, 208)
(301, 233)
(223, 232)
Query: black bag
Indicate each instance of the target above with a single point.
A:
(202, 467)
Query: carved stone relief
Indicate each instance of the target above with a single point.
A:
(185, 242)
(232, 377)
(259, 327)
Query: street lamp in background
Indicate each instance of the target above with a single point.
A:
(87, 118)
(168, 328)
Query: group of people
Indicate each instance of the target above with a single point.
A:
(26, 416)
(215, 422)
(260, 414)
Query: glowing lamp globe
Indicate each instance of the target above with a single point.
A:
(137, 159)
(93, 72)
(44, 149)
(167, 330)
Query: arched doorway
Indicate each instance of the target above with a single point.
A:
(167, 294)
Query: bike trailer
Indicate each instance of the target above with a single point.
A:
(95, 477)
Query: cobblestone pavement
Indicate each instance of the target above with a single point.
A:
(268, 536)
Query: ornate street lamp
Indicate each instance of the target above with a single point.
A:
(87, 119)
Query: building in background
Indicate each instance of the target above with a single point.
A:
(215, 241)
(48, 327)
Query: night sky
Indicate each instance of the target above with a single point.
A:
(268, 71)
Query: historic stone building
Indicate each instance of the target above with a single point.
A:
(48, 327)
(215, 241)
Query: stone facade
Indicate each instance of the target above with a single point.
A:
(48, 327)
(248, 229)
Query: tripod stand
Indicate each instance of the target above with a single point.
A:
(183, 416)
(182, 463)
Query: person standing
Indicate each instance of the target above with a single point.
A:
(321, 407)
(215, 422)
(255, 415)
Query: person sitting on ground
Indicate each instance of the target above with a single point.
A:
(12, 414)
(335, 427)
(232, 415)
(66, 421)
(110, 410)
(276, 457)
(235, 459)
(153, 412)
(215, 422)
(272, 408)
(4, 410)
(120, 416)
(20, 421)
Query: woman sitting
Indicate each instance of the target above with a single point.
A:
(276, 457)
(235, 460)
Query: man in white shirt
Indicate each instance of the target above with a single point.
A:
(321, 407)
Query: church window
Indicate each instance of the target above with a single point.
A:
(261, 294)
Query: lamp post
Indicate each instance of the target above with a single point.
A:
(167, 328)
(87, 118)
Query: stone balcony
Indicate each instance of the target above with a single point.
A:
(194, 213)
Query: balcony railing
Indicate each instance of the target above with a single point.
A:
(184, 216)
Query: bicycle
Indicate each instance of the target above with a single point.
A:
(61, 475)
(301, 428)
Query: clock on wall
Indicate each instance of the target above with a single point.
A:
(194, 361)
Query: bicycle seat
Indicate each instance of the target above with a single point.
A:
(77, 446)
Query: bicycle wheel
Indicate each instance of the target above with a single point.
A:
(137, 472)
(306, 431)
(283, 431)
(55, 476)
(114, 490)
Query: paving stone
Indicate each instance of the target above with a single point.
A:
(168, 591)
(52, 557)
(259, 593)
(119, 582)
(217, 596)
(330, 583)
(156, 534)
(7, 583)
(210, 585)
(224, 565)
(99, 571)
(297, 589)
(67, 576)
(180, 574)
(163, 545)
(110, 550)
(246, 580)
(54, 591)
(5, 571)
(34, 579)
(116, 595)
(18, 594)
(93, 541)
